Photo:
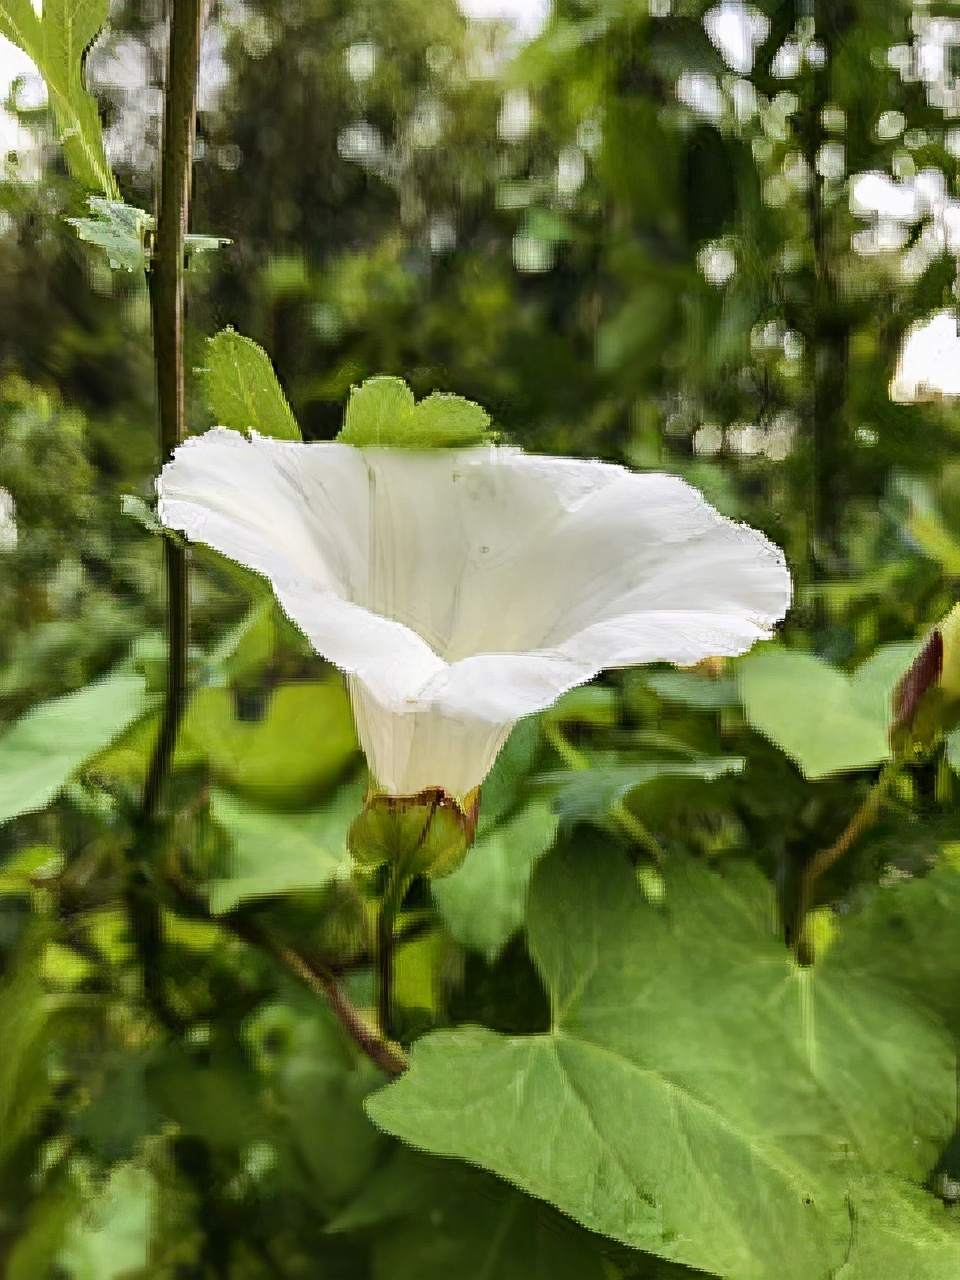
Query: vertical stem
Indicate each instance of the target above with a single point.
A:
(387, 912)
(166, 296)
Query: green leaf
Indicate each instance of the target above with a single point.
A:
(588, 704)
(277, 853)
(118, 229)
(461, 1223)
(57, 42)
(906, 935)
(319, 1085)
(111, 1239)
(506, 783)
(375, 411)
(25, 1020)
(899, 1231)
(120, 1113)
(17, 874)
(121, 229)
(692, 690)
(43, 750)
(589, 795)
(381, 413)
(483, 903)
(41, 1238)
(302, 746)
(219, 1102)
(698, 1095)
(447, 421)
(822, 719)
(241, 388)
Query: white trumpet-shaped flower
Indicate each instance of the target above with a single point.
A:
(463, 589)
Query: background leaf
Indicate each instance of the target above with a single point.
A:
(822, 719)
(274, 853)
(484, 902)
(42, 751)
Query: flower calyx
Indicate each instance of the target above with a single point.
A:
(424, 834)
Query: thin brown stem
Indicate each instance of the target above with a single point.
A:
(822, 861)
(386, 1055)
(321, 980)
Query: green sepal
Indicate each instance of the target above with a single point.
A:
(382, 414)
(926, 702)
(425, 834)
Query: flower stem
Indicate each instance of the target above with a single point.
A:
(822, 861)
(387, 911)
(166, 298)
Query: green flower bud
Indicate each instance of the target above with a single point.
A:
(926, 702)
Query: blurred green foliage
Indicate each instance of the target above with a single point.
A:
(621, 246)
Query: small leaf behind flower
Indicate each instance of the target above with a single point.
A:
(382, 413)
(241, 388)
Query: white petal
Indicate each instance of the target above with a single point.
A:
(300, 515)
(409, 753)
(929, 364)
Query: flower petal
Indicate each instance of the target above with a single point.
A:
(512, 552)
(299, 515)
(409, 753)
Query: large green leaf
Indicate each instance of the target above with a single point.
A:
(698, 1095)
(907, 935)
(241, 388)
(824, 720)
(57, 42)
(484, 901)
(279, 852)
(44, 749)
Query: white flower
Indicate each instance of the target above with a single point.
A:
(463, 589)
(8, 521)
(929, 363)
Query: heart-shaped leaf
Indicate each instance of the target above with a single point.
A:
(698, 1095)
(824, 720)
